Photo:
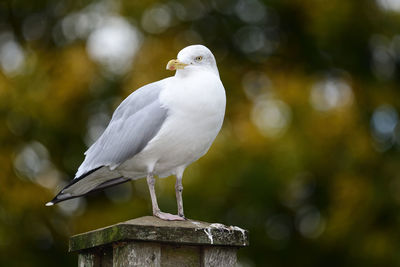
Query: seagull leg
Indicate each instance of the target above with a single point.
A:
(151, 182)
(178, 193)
(156, 210)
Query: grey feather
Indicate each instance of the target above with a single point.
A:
(134, 123)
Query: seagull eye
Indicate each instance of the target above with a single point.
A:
(199, 58)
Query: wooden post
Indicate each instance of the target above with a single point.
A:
(149, 241)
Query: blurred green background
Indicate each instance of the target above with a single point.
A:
(308, 157)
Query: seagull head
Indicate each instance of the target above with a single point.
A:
(193, 57)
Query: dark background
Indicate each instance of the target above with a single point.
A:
(308, 157)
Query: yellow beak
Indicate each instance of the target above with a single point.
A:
(175, 64)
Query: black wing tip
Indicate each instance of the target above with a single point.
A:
(53, 201)
(60, 197)
(56, 199)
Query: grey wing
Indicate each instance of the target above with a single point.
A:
(134, 123)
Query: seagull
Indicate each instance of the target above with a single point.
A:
(158, 130)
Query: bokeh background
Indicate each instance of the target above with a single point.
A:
(308, 157)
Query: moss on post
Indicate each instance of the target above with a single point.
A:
(149, 241)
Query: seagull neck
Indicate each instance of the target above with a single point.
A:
(184, 73)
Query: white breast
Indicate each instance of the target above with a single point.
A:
(196, 108)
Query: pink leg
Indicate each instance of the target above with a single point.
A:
(178, 193)
(156, 210)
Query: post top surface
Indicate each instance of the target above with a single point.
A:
(149, 228)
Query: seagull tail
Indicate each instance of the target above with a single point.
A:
(74, 188)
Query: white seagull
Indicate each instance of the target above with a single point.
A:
(159, 129)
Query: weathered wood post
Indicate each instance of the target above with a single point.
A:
(149, 241)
